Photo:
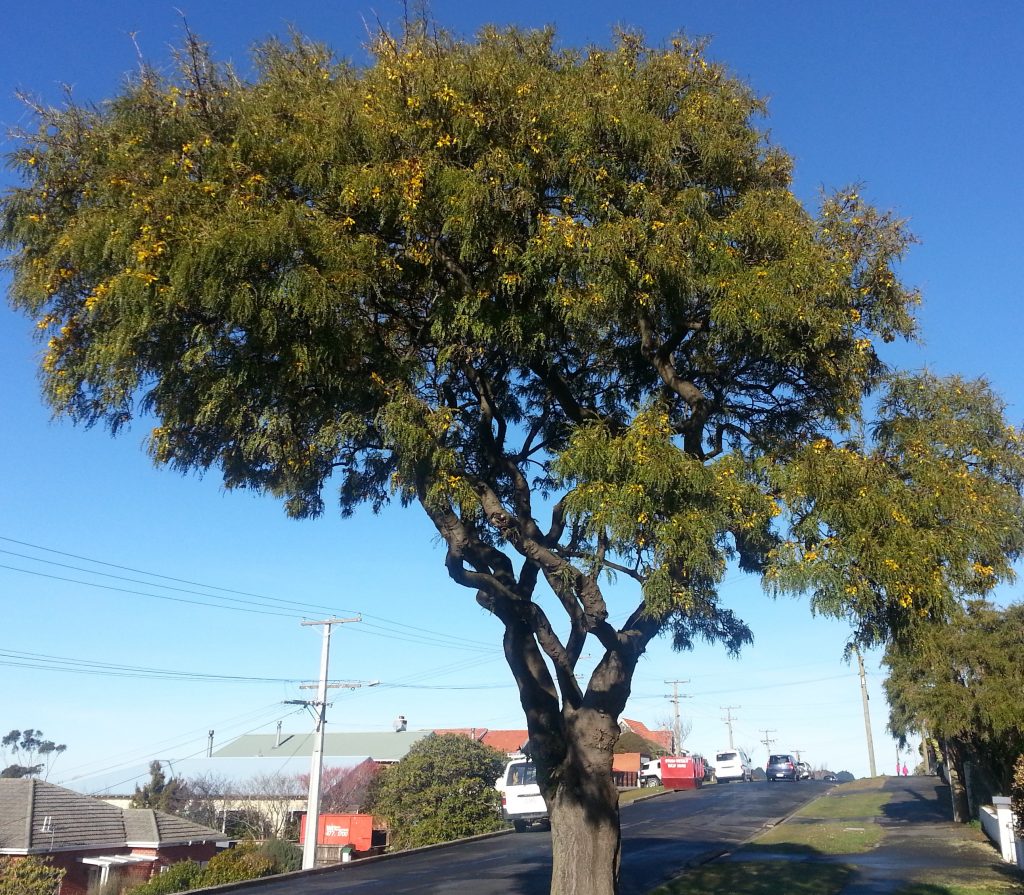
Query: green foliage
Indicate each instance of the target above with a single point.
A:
(285, 856)
(180, 877)
(443, 789)
(633, 742)
(962, 681)
(171, 797)
(247, 860)
(28, 876)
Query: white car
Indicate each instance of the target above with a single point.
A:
(733, 764)
(521, 801)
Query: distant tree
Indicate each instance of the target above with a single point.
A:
(207, 796)
(443, 789)
(263, 805)
(344, 790)
(961, 682)
(845, 777)
(564, 301)
(28, 876)
(170, 796)
(24, 747)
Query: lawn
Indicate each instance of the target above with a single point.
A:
(757, 878)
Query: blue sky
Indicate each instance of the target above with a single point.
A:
(919, 102)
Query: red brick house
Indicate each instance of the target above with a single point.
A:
(96, 843)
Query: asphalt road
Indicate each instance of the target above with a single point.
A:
(660, 836)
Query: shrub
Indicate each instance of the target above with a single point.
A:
(178, 877)
(243, 862)
(28, 876)
(285, 855)
(1017, 795)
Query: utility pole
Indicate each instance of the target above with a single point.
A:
(677, 729)
(317, 762)
(728, 719)
(768, 740)
(867, 714)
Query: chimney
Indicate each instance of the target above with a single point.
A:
(277, 742)
(209, 745)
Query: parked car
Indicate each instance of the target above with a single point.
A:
(733, 764)
(521, 801)
(782, 767)
(829, 777)
(804, 771)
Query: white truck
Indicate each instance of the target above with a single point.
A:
(521, 801)
(650, 772)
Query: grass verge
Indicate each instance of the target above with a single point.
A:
(820, 838)
(1000, 888)
(757, 878)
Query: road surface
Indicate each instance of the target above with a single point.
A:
(660, 836)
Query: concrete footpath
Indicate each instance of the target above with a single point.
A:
(921, 845)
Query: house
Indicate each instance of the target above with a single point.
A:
(95, 843)
(661, 738)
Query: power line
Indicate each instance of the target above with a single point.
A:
(138, 593)
(410, 633)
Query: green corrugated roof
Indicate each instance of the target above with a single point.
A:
(380, 746)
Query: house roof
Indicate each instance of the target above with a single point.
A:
(474, 733)
(506, 740)
(662, 738)
(378, 745)
(36, 816)
(509, 741)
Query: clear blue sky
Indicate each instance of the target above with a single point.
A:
(917, 101)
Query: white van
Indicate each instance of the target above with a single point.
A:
(733, 764)
(521, 801)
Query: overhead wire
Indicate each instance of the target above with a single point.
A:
(268, 605)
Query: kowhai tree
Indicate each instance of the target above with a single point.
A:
(562, 300)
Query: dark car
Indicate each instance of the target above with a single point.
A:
(782, 767)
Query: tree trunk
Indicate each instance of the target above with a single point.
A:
(584, 809)
(585, 839)
(957, 788)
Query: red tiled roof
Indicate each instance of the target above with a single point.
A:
(474, 733)
(503, 740)
(662, 737)
(506, 740)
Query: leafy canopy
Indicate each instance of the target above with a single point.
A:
(565, 300)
